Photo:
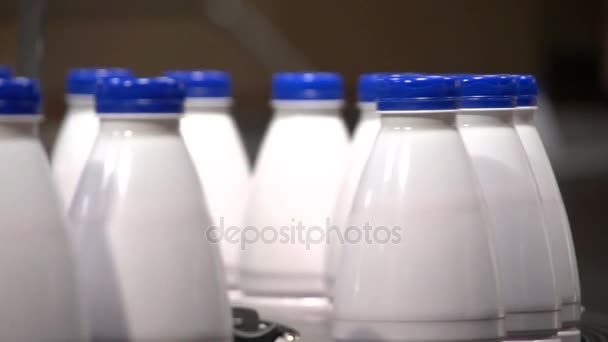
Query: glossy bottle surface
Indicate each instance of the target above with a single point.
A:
(361, 146)
(297, 178)
(148, 271)
(432, 274)
(215, 146)
(73, 145)
(558, 228)
(524, 259)
(39, 292)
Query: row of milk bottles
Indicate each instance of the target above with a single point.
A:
(455, 165)
(485, 251)
(128, 262)
(207, 128)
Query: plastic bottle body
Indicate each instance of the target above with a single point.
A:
(363, 140)
(297, 178)
(214, 144)
(558, 227)
(434, 278)
(524, 256)
(148, 271)
(39, 292)
(74, 144)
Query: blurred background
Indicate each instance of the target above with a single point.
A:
(563, 43)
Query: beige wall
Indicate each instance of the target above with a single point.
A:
(349, 36)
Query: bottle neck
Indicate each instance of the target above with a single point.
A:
(368, 110)
(407, 120)
(205, 105)
(524, 115)
(307, 107)
(80, 103)
(139, 123)
(485, 117)
(19, 126)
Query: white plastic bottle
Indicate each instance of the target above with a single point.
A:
(485, 122)
(215, 146)
(38, 291)
(558, 228)
(148, 271)
(5, 72)
(297, 178)
(428, 270)
(363, 140)
(79, 128)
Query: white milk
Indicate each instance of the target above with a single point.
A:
(148, 270)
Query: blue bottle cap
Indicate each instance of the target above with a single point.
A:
(307, 86)
(19, 96)
(367, 87)
(139, 95)
(460, 76)
(407, 92)
(203, 83)
(5, 72)
(527, 91)
(488, 91)
(82, 81)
